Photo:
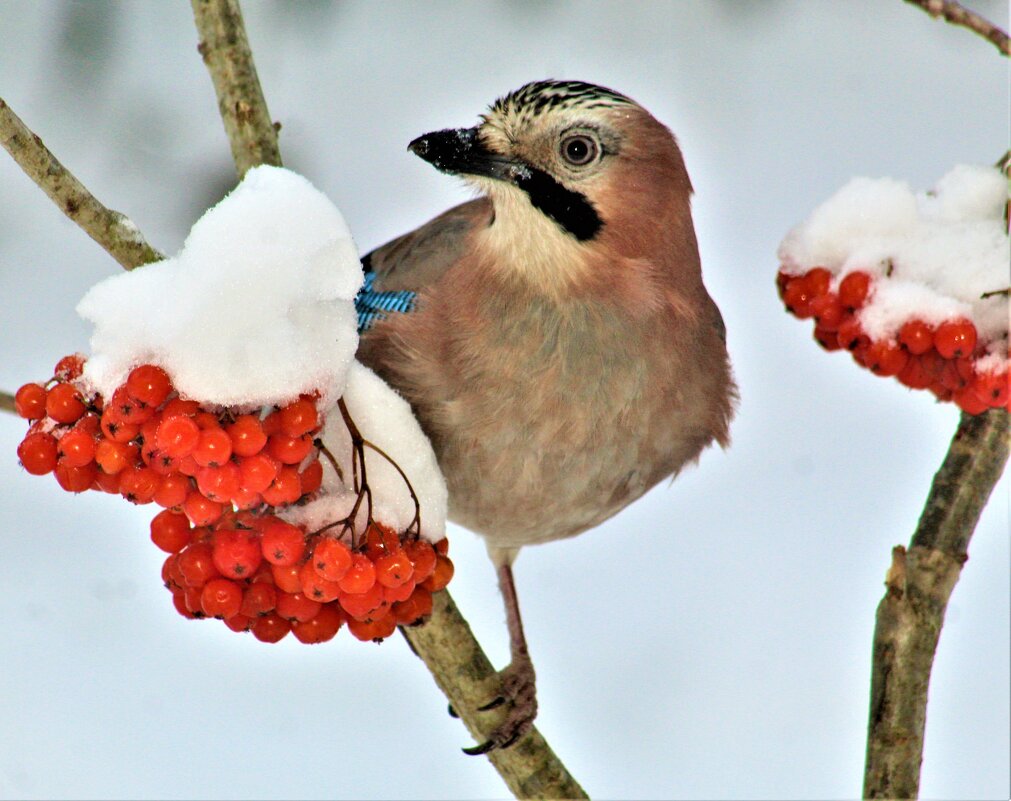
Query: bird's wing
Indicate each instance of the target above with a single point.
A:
(397, 271)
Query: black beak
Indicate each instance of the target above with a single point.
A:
(461, 152)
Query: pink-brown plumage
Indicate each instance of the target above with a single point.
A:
(560, 369)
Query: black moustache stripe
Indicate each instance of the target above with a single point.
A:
(571, 210)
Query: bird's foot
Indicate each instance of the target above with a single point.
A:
(519, 694)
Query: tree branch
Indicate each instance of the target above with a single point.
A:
(919, 583)
(115, 232)
(957, 14)
(225, 50)
(6, 402)
(445, 643)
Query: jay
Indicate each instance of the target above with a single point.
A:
(553, 335)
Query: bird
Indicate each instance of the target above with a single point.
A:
(553, 335)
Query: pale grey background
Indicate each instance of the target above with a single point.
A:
(710, 642)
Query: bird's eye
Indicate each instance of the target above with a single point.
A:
(579, 149)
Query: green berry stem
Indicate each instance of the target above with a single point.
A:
(918, 585)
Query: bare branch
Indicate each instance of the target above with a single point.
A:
(113, 231)
(919, 583)
(6, 402)
(957, 14)
(530, 768)
(225, 50)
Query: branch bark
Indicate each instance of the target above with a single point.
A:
(918, 585)
(957, 14)
(115, 232)
(445, 642)
(6, 402)
(225, 50)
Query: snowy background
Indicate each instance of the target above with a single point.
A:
(733, 661)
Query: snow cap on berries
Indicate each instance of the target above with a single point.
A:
(256, 308)
(385, 419)
(935, 253)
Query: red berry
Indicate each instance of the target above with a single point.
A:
(314, 585)
(797, 297)
(214, 447)
(376, 630)
(246, 499)
(200, 510)
(394, 568)
(321, 628)
(827, 339)
(149, 384)
(402, 593)
(237, 552)
(828, 311)
(112, 456)
(917, 336)
(246, 435)
(69, 367)
(415, 609)
(271, 628)
(818, 280)
(179, 602)
(123, 408)
(38, 453)
(76, 448)
(298, 418)
(196, 564)
(289, 450)
(885, 358)
(221, 598)
(295, 606)
(331, 558)
(312, 477)
(116, 430)
(913, 375)
(850, 334)
(106, 482)
(171, 531)
(180, 407)
(177, 436)
(360, 576)
(365, 605)
(219, 483)
(441, 576)
(285, 489)
(139, 484)
(422, 556)
(968, 401)
(30, 401)
(954, 338)
(64, 403)
(76, 479)
(854, 289)
(258, 471)
(288, 578)
(259, 599)
(282, 543)
(992, 388)
(240, 623)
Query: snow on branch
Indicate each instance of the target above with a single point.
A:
(115, 232)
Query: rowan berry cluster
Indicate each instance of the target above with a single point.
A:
(949, 358)
(221, 476)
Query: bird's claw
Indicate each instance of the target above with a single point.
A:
(519, 693)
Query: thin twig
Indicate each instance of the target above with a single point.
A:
(957, 14)
(224, 47)
(115, 232)
(919, 584)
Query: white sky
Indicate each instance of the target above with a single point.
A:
(734, 662)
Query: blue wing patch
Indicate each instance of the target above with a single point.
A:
(372, 305)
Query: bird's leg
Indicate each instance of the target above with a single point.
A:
(519, 689)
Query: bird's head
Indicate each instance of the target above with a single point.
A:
(570, 161)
